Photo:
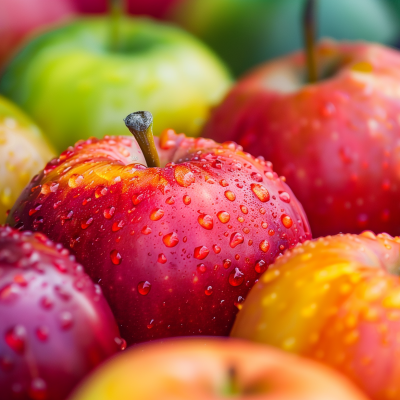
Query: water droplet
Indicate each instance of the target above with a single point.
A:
(271, 232)
(161, 258)
(244, 209)
(201, 252)
(186, 199)
(284, 196)
(109, 212)
(262, 210)
(150, 324)
(120, 342)
(227, 263)
(223, 183)
(16, 338)
(256, 177)
(236, 239)
(6, 363)
(206, 221)
(286, 221)
(171, 239)
(146, 230)
(156, 214)
(84, 225)
(240, 219)
(281, 247)
(261, 266)
(236, 277)
(75, 180)
(264, 246)
(170, 200)
(42, 333)
(117, 225)
(223, 216)
(184, 176)
(208, 290)
(34, 210)
(230, 195)
(246, 230)
(201, 268)
(66, 320)
(46, 302)
(100, 191)
(239, 302)
(137, 198)
(260, 191)
(216, 249)
(115, 257)
(144, 287)
(38, 389)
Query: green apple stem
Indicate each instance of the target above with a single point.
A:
(232, 387)
(140, 124)
(116, 10)
(309, 39)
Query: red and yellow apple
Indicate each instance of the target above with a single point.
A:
(336, 141)
(175, 248)
(23, 151)
(201, 369)
(335, 300)
(55, 324)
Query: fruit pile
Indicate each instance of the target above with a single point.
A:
(140, 262)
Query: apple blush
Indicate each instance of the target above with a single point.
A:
(176, 247)
(55, 324)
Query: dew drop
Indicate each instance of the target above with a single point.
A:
(156, 214)
(239, 302)
(150, 324)
(121, 343)
(223, 183)
(230, 195)
(261, 266)
(109, 212)
(201, 268)
(117, 225)
(66, 320)
(146, 230)
(264, 225)
(244, 209)
(227, 263)
(144, 287)
(161, 258)
(236, 239)
(38, 389)
(208, 290)
(260, 191)
(34, 210)
(16, 338)
(170, 200)
(75, 180)
(240, 219)
(216, 249)
(284, 196)
(86, 224)
(246, 230)
(236, 277)
(206, 221)
(286, 221)
(184, 176)
(171, 239)
(201, 252)
(256, 177)
(137, 198)
(42, 333)
(46, 302)
(100, 191)
(223, 216)
(115, 257)
(264, 246)
(186, 199)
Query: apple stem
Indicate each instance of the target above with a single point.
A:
(309, 39)
(233, 387)
(116, 10)
(140, 124)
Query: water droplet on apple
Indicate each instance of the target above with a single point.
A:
(161, 258)
(186, 199)
(146, 230)
(170, 200)
(201, 252)
(38, 389)
(239, 302)
(156, 214)
(16, 338)
(42, 333)
(284, 196)
(171, 239)
(208, 290)
(184, 176)
(137, 198)
(206, 221)
(236, 277)
(236, 239)
(120, 342)
(144, 287)
(115, 257)
(100, 191)
(260, 191)
(109, 212)
(244, 209)
(286, 221)
(150, 324)
(230, 195)
(261, 266)
(216, 249)
(75, 180)
(223, 216)
(201, 268)
(255, 176)
(227, 263)
(84, 225)
(223, 183)
(264, 246)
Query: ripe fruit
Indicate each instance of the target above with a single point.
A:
(55, 324)
(335, 300)
(77, 82)
(23, 151)
(212, 369)
(336, 141)
(246, 33)
(175, 249)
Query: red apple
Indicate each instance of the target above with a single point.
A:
(55, 324)
(337, 141)
(20, 18)
(174, 248)
(202, 369)
(335, 300)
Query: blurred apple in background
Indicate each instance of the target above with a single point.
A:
(200, 369)
(82, 79)
(247, 32)
(23, 152)
(21, 18)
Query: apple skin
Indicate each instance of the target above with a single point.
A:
(158, 240)
(23, 151)
(21, 18)
(215, 369)
(246, 33)
(334, 300)
(336, 141)
(70, 82)
(55, 324)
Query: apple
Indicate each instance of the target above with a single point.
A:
(55, 324)
(212, 369)
(247, 32)
(175, 248)
(21, 18)
(336, 141)
(80, 80)
(23, 151)
(335, 300)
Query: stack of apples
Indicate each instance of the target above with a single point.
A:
(136, 233)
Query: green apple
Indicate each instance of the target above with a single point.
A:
(247, 32)
(23, 152)
(76, 84)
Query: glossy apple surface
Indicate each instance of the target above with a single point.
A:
(336, 141)
(246, 33)
(21, 18)
(335, 300)
(175, 249)
(212, 369)
(55, 324)
(75, 86)
(23, 151)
